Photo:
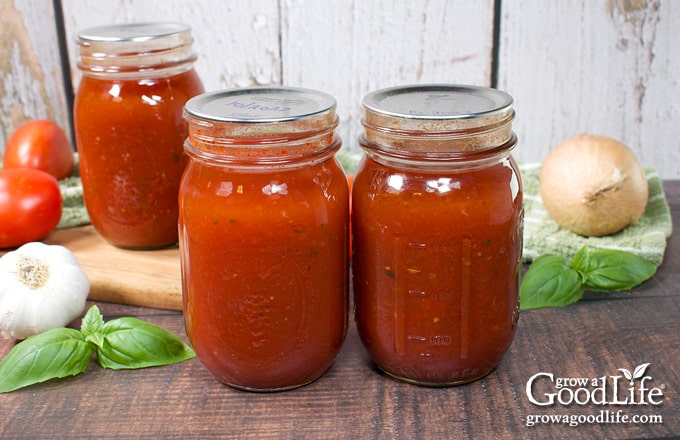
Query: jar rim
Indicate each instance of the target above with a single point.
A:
(257, 122)
(438, 118)
(438, 157)
(136, 50)
(265, 155)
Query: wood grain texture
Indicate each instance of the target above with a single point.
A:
(143, 278)
(31, 83)
(349, 49)
(607, 67)
(149, 278)
(592, 338)
(237, 43)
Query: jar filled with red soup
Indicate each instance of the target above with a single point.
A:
(437, 232)
(129, 128)
(263, 225)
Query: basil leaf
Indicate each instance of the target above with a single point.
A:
(56, 353)
(550, 282)
(580, 258)
(92, 325)
(132, 343)
(607, 269)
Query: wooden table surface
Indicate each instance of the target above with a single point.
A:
(591, 339)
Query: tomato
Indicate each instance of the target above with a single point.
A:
(30, 205)
(40, 144)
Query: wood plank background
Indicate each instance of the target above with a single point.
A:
(605, 66)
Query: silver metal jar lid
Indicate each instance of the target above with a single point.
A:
(262, 105)
(128, 32)
(261, 112)
(438, 101)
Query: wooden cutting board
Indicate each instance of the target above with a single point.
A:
(142, 278)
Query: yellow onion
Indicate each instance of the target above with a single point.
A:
(593, 185)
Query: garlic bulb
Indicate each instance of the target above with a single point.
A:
(593, 185)
(41, 287)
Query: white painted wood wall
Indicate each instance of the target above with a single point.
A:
(603, 66)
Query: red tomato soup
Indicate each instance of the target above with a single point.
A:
(130, 130)
(264, 236)
(437, 232)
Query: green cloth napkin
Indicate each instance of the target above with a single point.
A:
(73, 211)
(542, 235)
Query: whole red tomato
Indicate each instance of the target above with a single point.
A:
(42, 145)
(30, 205)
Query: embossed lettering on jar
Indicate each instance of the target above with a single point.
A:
(129, 128)
(437, 232)
(264, 220)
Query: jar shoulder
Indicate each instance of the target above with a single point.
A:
(375, 178)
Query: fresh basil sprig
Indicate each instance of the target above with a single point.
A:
(49, 355)
(555, 281)
(122, 343)
(550, 282)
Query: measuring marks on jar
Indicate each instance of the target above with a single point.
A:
(432, 296)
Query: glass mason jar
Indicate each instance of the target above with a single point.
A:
(437, 232)
(263, 226)
(129, 128)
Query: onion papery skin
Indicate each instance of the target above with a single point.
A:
(593, 185)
